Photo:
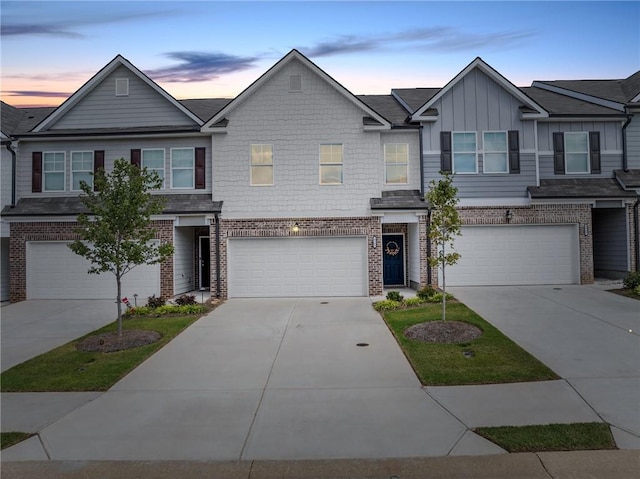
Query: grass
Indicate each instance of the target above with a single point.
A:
(496, 359)
(8, 439)
(67, 369)
(550, 437)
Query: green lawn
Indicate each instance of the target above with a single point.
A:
(550, 437)
(496, 359)
(8, 439)
(67, 369)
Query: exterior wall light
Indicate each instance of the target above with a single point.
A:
(374, 242)
(586, 229)
(295, 228)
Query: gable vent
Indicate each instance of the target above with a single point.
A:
(122, 87)
(295, 82)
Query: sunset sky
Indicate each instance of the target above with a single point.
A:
(208, 49)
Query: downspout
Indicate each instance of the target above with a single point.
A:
(13, 171)
(637, 233)
(217, 219)
(625, 162)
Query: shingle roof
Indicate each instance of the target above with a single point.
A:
(399, 200)
(10, 118)
(579, 188)
(629, 178)
(620, 91)
(72, 206)
(387, 106)
(205, 108)
(414, 98)
(557, 104)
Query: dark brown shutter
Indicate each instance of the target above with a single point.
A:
(514, 151)
(558, 153)
(594, 151)
(200, 169)
(135, 158)
(98, 164)
(445, 151)
(36, 172)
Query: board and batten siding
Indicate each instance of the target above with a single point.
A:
(610, 249)
(183, 260)
(113, 150)
(101, 108)
(633, 143)
(295, 124)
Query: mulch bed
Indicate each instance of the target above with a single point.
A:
(449, 332)
(110, 342)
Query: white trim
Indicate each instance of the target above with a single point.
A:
(251, 165)
(453, 154)
(573, 119)
(193, 168)
(64, 172)
(164, 163)
(566, 153)
(321, 164)
(405, 259)
(122, 87)
(506, 154)
(537, 153)
(71, 170)
(406, 164)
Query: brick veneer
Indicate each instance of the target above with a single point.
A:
(309, 227)
(65, 231)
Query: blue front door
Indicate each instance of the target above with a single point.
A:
(393, 260)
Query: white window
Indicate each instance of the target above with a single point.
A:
(396, 161)
(122, 87)
(331, 164)
(153, 160)
(182, 167)
(53, 170)
(261, 165)
(576, 148)
(81, 169)
(465, 159)
(496, 157)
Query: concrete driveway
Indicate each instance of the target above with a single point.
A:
(590, 337)
(30, 328)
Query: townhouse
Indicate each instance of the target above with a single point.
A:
(298, 187)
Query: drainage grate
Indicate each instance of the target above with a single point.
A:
(362, 345)
(324, 302)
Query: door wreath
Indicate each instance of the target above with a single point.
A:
(392, 248)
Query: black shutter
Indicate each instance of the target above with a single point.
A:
(445, 151)
(594, 151)
(558, 153)
(200, 169)
(36, 172)
(514, 151)
(135, 158)
(98, 164)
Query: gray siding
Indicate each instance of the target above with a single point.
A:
(608, 163)
(610, 248)
(633, 142)
(101, 108)
(183, 260)
(114, 149)
(5, 177)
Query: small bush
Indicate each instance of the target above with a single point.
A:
(412, 302)
(186, 299)
(387, 305)
(155, 302)
(437, 297)
(165, 310)
(632, 281)
(636, 290)
(395, 296)
(139, 311)
(426, 292)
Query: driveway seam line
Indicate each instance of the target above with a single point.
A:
(44, 447)
(544, 467)
(266, 384)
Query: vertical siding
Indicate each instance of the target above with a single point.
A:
(101, 108)
(610, 249)
(183, 257)
(114, 149)
(633, 142)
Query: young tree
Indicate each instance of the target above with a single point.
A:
(444, 227)
(116, 235)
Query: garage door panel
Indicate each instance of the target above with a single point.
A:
(516, 254)
(281, 267)
(56, 272)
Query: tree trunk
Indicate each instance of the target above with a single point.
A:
(119, 301)
(444, 287)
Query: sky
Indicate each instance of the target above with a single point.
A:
(215, 49)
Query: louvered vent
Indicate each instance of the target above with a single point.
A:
(295, 83)
(122, 87)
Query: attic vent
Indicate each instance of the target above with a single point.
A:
(122, 87)
(295, 82)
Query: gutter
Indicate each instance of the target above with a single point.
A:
(625, 162)
(13, 171)
(217, 219)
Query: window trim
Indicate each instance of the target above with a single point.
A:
(193, 169)
(252, 166)
(71, 188)
(64, 171)
(122, 86)
(453, 153)
(164, 163)
(587, 152)
(505, 152)
(406, 164)
(321, 164)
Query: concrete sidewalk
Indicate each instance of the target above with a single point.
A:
(549, 465)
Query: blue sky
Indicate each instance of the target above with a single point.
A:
(205, 49)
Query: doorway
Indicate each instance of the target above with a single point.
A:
(393, 260)
(204, 260)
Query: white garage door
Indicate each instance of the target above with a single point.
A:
(297, 267)
(516, 255)
(56, 272)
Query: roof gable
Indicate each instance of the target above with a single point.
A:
(121, 66)
(219, 120)
(532, 109)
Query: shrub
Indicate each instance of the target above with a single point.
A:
(437, 297)
(395, 296)
(636, 290)
(155, 302)
(139, 311)
(387, 305)
(426, 292)
(166, 309)
(186, 299)
(632, 281)
(411, 302)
